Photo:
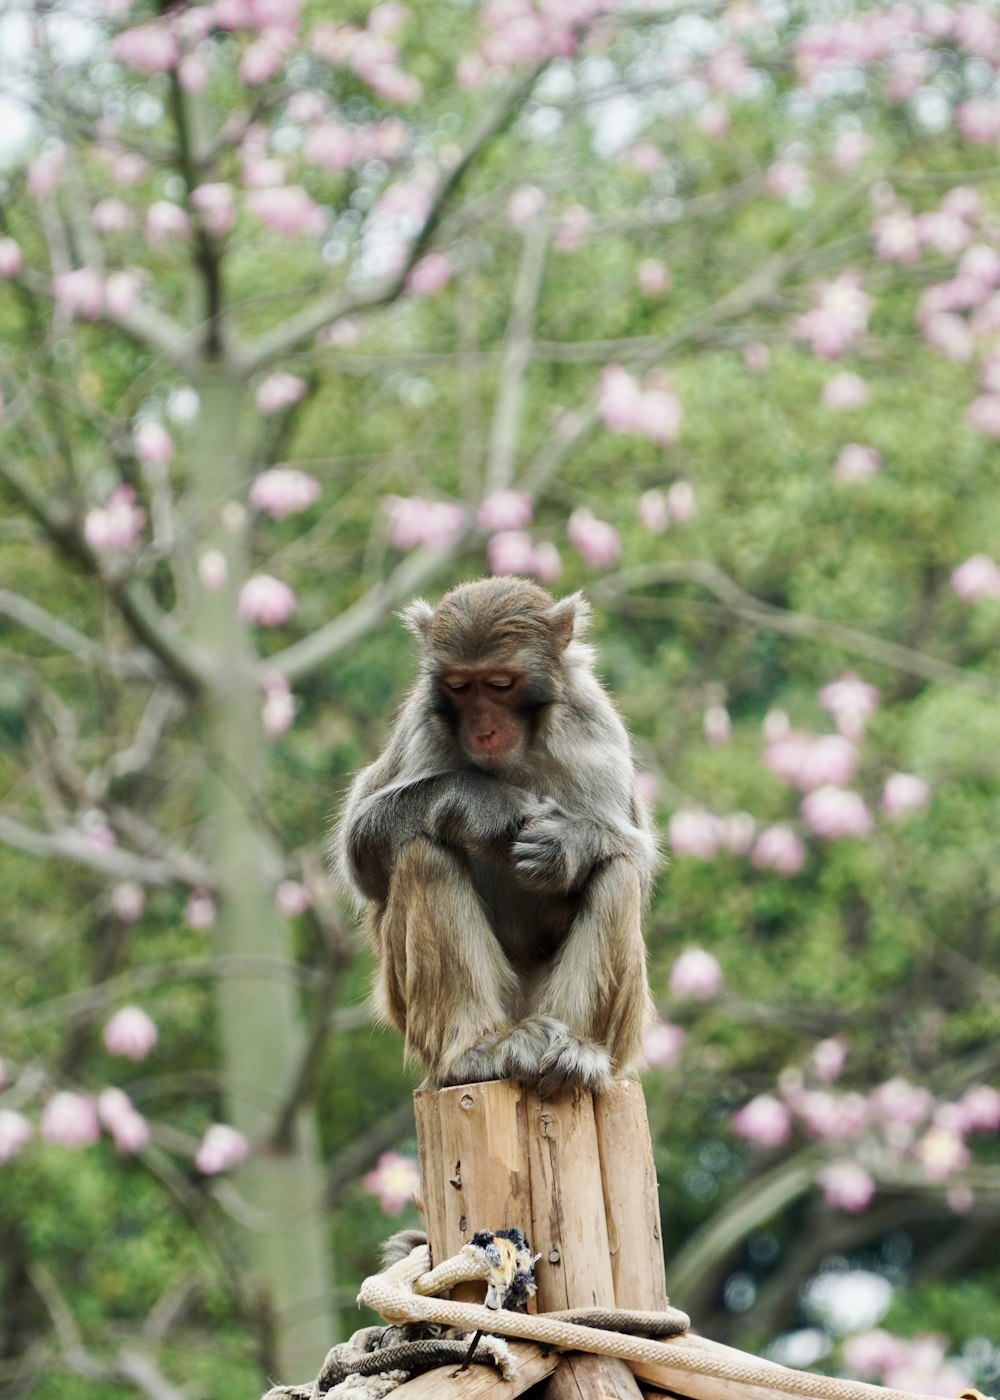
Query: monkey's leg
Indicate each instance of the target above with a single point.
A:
(597, 985)
(444, 979)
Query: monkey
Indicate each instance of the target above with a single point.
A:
(503, 851)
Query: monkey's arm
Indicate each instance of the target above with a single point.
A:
(559, 849)
(468, 810)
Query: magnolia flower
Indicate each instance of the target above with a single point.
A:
(900, 1103)
(127, 901)
(903, 793)
(47, 171)
(131, 1033)
(216, 204)
(681, 502)
(395, 1180)
(662, 1045)
(857, 462)
(150, 48)
(126, 1125)
(278, 710)
(653, 277)
(787, 179)
(983, 414)
(199, 912)
(850, 149)
(811, 761)
(830, 1117)
(115, 526)
(291, 898)
(121, 292)
(838, 318)
(505, 510)
(70, 1120)
(653, 511)
(414, 521)
(694, 833)
(598, 542)
(525, 204)
(213, 569)
(844, 391)
(221, 1149)
(278, 392)
(976, 579)
(737, 830)
(763, 1122)
(79, 293)
(282, 491)
(850, 701)
(941, 1154)
(778, 848)
(846, 1186)
(828, 1058)
(332, 146)
(979, 1107)
(15, 1132)
(153, 444)
(430, 274)
(547, 562)
(266, 600)
(287, 210)
(835, 813)
(511, 552)
(166, 221)
(264, 58)
(696, 974)
(129, 167)
(11, 258)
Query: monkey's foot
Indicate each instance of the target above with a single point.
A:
(574, 1064)
(520, 1053)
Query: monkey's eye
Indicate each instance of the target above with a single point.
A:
(500, 682)
(456, 687)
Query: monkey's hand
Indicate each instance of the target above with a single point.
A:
(555, 852)
(477, 813)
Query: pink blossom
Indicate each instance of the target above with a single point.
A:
(573, 229)
(547, 563)
(505, 510)
(832, 1117)
(857, 462)
(653, 512)
(127, 900)
(870, 1355)
(844, 391)
(291, 898)
(836, 813)
(809, 761)
(727, 71)
(653, 277)
(282, 491)
(828, 1058)
(525, 205)
(79, 293)
(221, 1149)
(387, 16)
(266, 600)
(980, 1109)
(414, 521)
(165, 221)
(983, 414)
(737, 831)
(11, 259)
(150, 48)
(846, 1186)
(213, 569)
(950, 336)
(713, 120)
(115, 526)
(976, 579)
(265, 57)
(216, 204)
(131, 1033)
(896, 236)
(681, 502)
(662, 1045)
(278, 392)
(192, 72)
(694, 833)
(47, 171)
(660, 415)
(287, 210)
(129, 167)
(511, 552)
(597, 542)
(851, 701)
(70, 1120)
(432, 273)
(787, 179)
(262, 174)
(850, 149)
(763, 1122)
(944, 231)
(395, 1180)
(111, 216)
(199, 912)
(153, 444)
(778, 848)
(941, 1154)
(15, 1132)
(278, 710)
(331, 146)
(716, 725)
(903, 793)
(696, 974)
(121, 292)
(980, 263)
(619, 399)
(838, 318)
(126, 1125)
(902, 1104)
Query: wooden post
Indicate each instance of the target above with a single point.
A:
(576, 1175)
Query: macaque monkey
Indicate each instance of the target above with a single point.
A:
(503, 850)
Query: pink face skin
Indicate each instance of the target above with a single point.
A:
(491, 728)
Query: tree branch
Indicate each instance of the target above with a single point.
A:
(132, 664)
(116, 863)
(506, 423)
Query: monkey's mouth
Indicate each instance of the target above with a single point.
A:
(490, 753)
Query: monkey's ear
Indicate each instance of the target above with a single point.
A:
(570, 618)
(416, 617)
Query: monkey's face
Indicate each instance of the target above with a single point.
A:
(485, 708)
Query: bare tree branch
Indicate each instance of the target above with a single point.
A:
(116, 863)
(131, 664)
(506, 423)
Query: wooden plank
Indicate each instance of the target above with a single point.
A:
(483, 1382)
(588, 1377)
(631, 1199)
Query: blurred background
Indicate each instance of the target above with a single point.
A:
(306, 309)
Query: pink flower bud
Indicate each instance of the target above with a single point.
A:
(851, 701)
(546, 564)
(291, 898)
(150, 48)
(857, 462)
(763, 1122)
(332, 146)
(414, 521)
(278, 392)
(696, 974)
(395, 1180)
(941, 1154)
(619, 400)
(828, 1058)
(845, 391)
(264, 58)
(778, 848)
(653, 277)
(836, 813)
(121, 292)
(980, 1109)
(681, 502)
(525, 204)
(153, 444)
(511, 552)
(111, 216)
(131, 1033)
(216, 204)
(70, 1120)
(430, 275)
(659, 417)
(903, 793)
(79, 293)
(166, 221)
(597, 542)
(662, 1045)
(15, 1132)
(115, 526)
(288, 211)
(278, 710)
(199, 912)
(901, 1103)
(213, 569)
(846, 1187)
(126, 1125)
(737, 831)
(266, 600)
(505, 510)
(10, 257)
(976, 579)
(653, 511)
(282, 491)
(694, 833)
(870, 1355)
(127, 900)
(221, 1149)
